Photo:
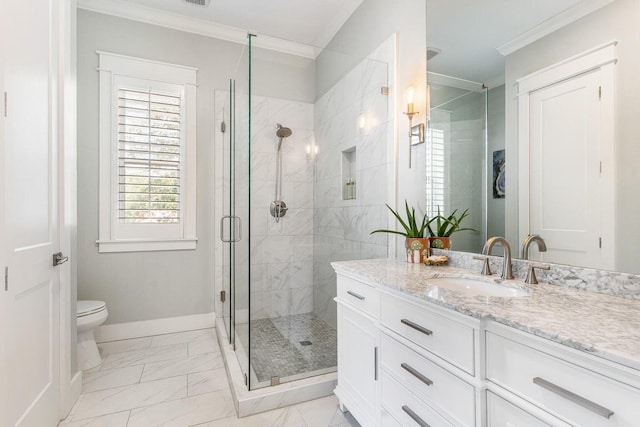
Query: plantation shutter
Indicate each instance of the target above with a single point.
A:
(149, 156)
(435, 172)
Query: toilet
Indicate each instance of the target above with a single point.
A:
(91, 314)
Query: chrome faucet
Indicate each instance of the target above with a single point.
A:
(542, 247)
(507, 273)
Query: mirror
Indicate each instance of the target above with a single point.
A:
(478, 56)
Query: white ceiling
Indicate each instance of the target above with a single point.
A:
(310, 22)
(470, 32)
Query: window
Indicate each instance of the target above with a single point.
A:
(147, 155)
(435, 171)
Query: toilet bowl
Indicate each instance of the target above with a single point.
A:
(91, 314)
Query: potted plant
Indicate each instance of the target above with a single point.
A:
(416, 243)
(444, 227)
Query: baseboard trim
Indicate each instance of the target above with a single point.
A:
(145, 328)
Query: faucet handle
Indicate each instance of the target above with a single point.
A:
(531, 278)
(486, 270)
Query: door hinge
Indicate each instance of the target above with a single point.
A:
(5, 104)
(384, 90)
(223, 296)
(223, 126)
(246, 380)
(600, 242)
(599, 92)
(6, 278)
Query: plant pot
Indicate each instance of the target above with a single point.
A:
(440, 242)
(417, 249)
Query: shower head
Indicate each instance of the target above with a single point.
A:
(283, 132)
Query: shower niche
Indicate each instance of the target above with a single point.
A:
(349, 184)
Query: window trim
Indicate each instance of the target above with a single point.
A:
(111, 66)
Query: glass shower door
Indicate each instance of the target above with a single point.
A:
(234, 225)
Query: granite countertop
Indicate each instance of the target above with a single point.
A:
(602, 325)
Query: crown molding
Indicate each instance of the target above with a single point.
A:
(435, 78)
(188, 24)
(552, 24)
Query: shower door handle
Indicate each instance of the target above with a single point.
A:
(234, 236)
(237, 227)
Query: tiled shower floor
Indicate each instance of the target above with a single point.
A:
(289, 347)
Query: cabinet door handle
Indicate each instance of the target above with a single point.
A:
(417, 327)
(416, 374)
(353, 294)
(375, 363)
(415, 417)
(578, 400)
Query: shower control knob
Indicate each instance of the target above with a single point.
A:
(278, 209)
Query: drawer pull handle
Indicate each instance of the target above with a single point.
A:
(578, 400)
(415, 417)
(416, 374)
(353, 294)
(417, 327)
(375, 364)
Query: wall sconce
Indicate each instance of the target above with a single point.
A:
(416, 133)
(312, 150)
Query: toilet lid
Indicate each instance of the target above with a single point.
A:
(86, 308)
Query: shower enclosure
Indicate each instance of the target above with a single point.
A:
(283, 215)
(463, 139)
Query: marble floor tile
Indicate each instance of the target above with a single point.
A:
(112, 420)
(207, 381)
(182, 366)
(202, 347)
(109, 378)
(183, 337)
(184, 412)
(128, 397)
(112, 347)
(283, 417)
(321, 412)
(140, 357)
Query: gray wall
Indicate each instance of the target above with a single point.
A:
(617, 21)
(152, 285)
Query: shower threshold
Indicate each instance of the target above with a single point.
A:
(291, 391)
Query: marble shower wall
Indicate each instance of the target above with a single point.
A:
(342, 228)
(281, 252)
(281, 263)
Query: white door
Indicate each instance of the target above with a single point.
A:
(565, 194)
(31, 301)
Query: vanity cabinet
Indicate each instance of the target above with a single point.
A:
(357, 389)
(577, 389)
(409, 362)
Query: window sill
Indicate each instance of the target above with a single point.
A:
(146, 245)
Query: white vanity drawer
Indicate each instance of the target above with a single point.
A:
(406, 408)
(446, 338)
(575, 394)
(501, 413)
(359, 295)
(429, 382)
(386, 420)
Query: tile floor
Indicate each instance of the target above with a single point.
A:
(178, 380)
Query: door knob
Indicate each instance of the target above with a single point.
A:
(58, 259)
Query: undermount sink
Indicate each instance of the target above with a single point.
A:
(477, 287)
